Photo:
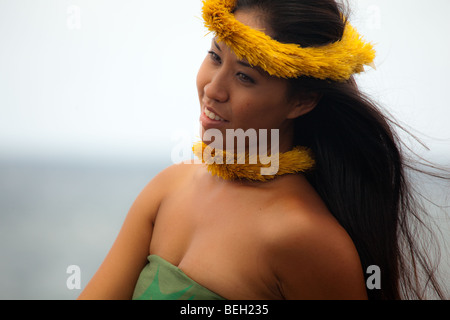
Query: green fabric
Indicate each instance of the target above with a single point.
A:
(161, 280)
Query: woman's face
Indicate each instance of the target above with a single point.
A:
(238, 96)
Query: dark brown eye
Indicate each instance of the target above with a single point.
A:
(245, 78)
(214, 57)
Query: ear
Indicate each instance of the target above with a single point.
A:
(303, 104)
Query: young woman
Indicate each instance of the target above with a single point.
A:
(192, 234)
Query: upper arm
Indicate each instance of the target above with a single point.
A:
(318, 261)
(118, 274)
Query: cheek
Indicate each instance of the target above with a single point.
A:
(253, 113)
(261, 105)
(264, 110)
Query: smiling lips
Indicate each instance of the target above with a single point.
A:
(211, 115)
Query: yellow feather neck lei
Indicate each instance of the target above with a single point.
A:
(297, 160)
(336, 61)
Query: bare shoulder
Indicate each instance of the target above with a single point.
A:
(312, 256)
(165, 182)
(174, 173)
(122, 263)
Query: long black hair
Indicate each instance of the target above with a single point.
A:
(360, 162)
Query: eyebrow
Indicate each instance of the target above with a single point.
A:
(217, 46)
(258, 69)
(245, 64)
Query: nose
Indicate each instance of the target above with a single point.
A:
(217, 88)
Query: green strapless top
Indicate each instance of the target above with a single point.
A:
(161, 280)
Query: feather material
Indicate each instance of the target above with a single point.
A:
(230, 166)
(337, 61)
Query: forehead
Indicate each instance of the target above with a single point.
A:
(255, 19)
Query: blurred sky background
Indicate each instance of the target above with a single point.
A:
(95, 94)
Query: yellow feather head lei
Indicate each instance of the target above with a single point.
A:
(228, 165)
(337, 61)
